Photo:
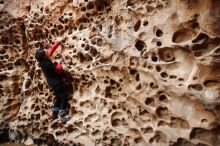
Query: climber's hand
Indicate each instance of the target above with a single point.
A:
(61, 60)
(60, 39)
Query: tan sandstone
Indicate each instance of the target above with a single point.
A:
(143, 72)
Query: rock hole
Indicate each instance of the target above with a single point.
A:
(162, 123)
(37, 108)
(180, 79)
(159, 43)
(195, 25)
(99, 42)
(204, 121)
(81, 57)
(70, 129)
(116, 122)
(159, 33)
(87, 48)
(166, 54)
(154, 58)
(83, 9)
(195, 78)
(139, 45)
(106, 81)
(200, 47)
(137, 25)
(138, 87)
(150, 9)
(28, 84)
(108, 91)
(137, 78)
(183, 35)
(4, 40)
(101, 4)
(153, 86)
(145, 55)
(93, 41)
(149, 101)
(159, 7)
(130, 3)
(133, 71)
(114, 107)
(159, 137)
(183, 142)
(114, 69)
(158, 68)
(202, 37)
(96, 133)
(172, 77)
(163, 98)
(145, 23)
(6, 56)
(164, 75)
(37, 116)
(54, 32)
(147, 130)
(210, 83)
(17, 41)
(139, 140)
(217, 51)
(2, 51)
(203, 135)
(10, 68)
(112, 82)
(162, 112)
(179, 123)
(196, 87)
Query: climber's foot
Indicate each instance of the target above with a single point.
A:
(63, 120)
(53, 116)
(63, 117)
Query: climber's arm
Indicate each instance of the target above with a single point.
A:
(53, 48)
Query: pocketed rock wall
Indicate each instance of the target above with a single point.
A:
(143, 72)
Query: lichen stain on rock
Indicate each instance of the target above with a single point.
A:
(141, 72)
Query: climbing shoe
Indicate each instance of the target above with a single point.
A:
(63, 120)
(63, 117)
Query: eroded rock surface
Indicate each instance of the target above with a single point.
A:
(144, 72)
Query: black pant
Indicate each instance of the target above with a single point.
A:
(61, 95)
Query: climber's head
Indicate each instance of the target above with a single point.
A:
(40, 54)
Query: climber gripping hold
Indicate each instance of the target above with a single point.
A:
(53, 73)
(53, 48)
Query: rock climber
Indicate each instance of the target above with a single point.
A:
(53, 73)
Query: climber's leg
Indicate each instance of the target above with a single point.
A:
(64, 103)
(63, 112)
(54, 114)
(56, 105)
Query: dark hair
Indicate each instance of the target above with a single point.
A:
(39, 54)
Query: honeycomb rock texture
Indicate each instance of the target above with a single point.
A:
(140, 72)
